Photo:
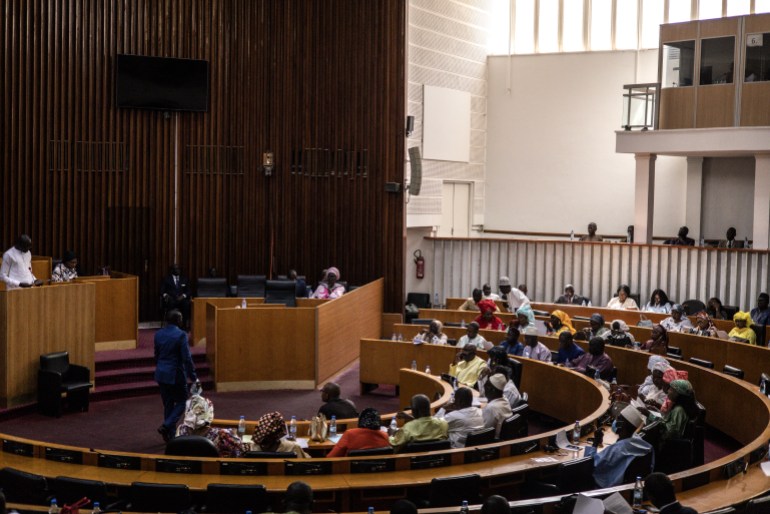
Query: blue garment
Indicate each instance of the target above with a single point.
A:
(513, 349)
(610, 465)
(567, 355)
(173, 368)
(301, 288)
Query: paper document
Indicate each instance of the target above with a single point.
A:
(563, 443)
(766, 468)
(586, 505)
(616, 504)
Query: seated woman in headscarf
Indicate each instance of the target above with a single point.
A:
(329, 288)
(197, 421)
(620, 335)
(269, 436)
(487, 319)
(653, 390)
(742, 333)
(669, 376)
(658, 341)
(597, 328)
(683, 408)
(367, 435)
(560, 322)
(704, 326)
(715, 310)
(525, 316)
(677, 322)
(432, 334)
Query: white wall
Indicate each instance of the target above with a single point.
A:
(728, 197)
(551, 161)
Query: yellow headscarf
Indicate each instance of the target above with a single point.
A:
(566, 322)
(745, 333)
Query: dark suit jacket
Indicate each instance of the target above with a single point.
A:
(736, 243)
(677, 508)
(174, 290)
(173, 360)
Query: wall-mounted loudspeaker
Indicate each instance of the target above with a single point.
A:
(415, 163)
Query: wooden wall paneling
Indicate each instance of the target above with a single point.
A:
(715, 106)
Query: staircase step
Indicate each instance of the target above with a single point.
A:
(142, 388)
(140, 361)
(142, 374)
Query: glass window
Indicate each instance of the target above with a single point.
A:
(738, 7)
(652, 17)
(678, 64)
(757, 58)
(708, 9)
(716, 60)
(679, 10)
(625, 24)
(761, 6)
(572, 29)
(548, 26)
(601, 24)
(499, 28)
(524, 28)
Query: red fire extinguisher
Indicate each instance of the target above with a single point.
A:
(419, 260)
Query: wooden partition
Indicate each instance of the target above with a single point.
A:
(41, 320)
(117, 310)
(198, 314)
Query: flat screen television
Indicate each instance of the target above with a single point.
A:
(162, 83)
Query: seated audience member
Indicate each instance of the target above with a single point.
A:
(620, 334)
(471, 304)
(742, 332)
(595, 359)
(495, 504)
(67, 269)
(669, 376)
(512, 297)
(473, 338)
(367, 435)
(658, 341)
(682, 408)
(298, 498)
(681, 239)
(467, 366)
(487, 319)
(568, 350)
(761, 315)
(175, 292)
(497, 408)
(461, 416)
(487, 294)
(591, 236)
(653, 390)
(269, 436)
(715, 310)
(623, 300)
(611, 463)
(300, 285)
(658, 303)
(419, 426)
(197, 421)
(677, 322)
(334, 405)
(403, 507)
(525, 316)
(629, 235)
(659, 489)
(560, 322)
(511, 343)
(534, 349)
(704, 326)
(729, 241)
(569, 297)
(432, 334)
(499, 363)
(329, 287)
(596, 327)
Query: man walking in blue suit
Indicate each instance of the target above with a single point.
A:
(173, 369)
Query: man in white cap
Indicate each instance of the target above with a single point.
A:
(610, 464)
(511, 297)
(534, 349)
(497, 408)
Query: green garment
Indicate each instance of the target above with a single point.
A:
(420, 429)
(674, 423)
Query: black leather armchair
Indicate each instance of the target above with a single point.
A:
(57, 376)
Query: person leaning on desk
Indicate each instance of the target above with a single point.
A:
(16, 270)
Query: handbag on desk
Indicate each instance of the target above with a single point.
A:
(319, 428)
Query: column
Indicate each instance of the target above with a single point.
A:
(694, 188)
(644, 198)
(761, 235)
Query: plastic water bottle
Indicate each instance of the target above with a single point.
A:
(370, 510)
(414, 365)
(97, 508)
(393, 425)
(54, 508)
(243, 304)
(638, 494)
(293, 428)
(571, 235)
(462, 324)
(763, 386)
(576, 433)
(400, 337)
(394, 338)
(746, 242)
(464, 507)
(637, 345)
(436, 305)
(597, 375)
(242, 427)
(333, 427)
(427, 369)
(702, 241)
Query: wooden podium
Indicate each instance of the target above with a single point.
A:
(117, 310)
(41, 320)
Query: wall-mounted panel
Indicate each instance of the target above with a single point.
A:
(677, 106)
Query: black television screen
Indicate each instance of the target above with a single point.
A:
(162, 83)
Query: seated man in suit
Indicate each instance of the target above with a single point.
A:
(610, 464)
(334, 405)
(419, 426)
(730, 242)
(660, 490)
(681, 238)
(175, 292)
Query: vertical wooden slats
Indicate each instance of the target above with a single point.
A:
(285, 75)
